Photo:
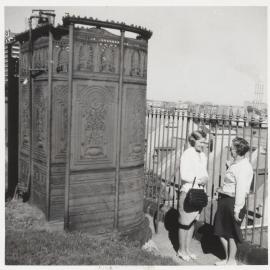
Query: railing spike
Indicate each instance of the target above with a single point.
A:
(260, 119)
(237, 114)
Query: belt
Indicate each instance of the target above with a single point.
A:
(223, 195)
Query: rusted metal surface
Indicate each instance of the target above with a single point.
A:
(87, 131)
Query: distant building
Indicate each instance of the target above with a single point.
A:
(259, 95)
(247, 103)
(161, 104)
(251, 107)
(154, 103)
(184, 105)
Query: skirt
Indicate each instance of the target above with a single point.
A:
(186, 217)
(224, 223)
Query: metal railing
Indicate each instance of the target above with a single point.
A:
(166, 139)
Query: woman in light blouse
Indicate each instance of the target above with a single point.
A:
(231, 201)
(193, 164)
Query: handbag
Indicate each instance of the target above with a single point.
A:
(196, 199)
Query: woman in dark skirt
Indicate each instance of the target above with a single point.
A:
(231, 200)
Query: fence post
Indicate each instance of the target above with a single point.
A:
(214, 168)
(175, 157)
(255, 180)
(187, 128)
(221, 154)
(264, 186)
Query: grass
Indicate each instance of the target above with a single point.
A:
(30, 240)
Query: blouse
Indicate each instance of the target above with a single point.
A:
(192, 164)
(237, 182)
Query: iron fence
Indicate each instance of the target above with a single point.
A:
(166, 136)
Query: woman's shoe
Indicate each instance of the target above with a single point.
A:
(231, 262)
(192, 256)
(222, 262)
(184, 257)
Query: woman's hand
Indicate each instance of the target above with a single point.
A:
(203, 181)
(236, 217)
(228, 164)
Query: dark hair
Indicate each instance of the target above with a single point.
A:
(241, 146)
(196, 135)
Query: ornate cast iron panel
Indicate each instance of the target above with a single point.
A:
(59, 121)
(133, 125)
(39, 186)
(135, 59)
(94, 132)
(40, 53)
(23, 172)
(40, 120)
(24, 119)
(60, 56)
(24, 65)
(96, 51)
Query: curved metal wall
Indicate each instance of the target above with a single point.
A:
(83, 115)
(107, 132)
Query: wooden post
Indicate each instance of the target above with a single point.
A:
(68, 153)
(119, 128)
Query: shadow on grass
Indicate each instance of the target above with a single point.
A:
(29, 242)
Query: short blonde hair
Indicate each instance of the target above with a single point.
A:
(196, 135)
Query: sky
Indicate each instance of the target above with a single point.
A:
(197, 53)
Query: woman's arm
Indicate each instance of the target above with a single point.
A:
(187, 167)
(203, 179)
(243, 182)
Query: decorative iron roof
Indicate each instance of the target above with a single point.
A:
(143, 32)
(67, 20)
(42, 31)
